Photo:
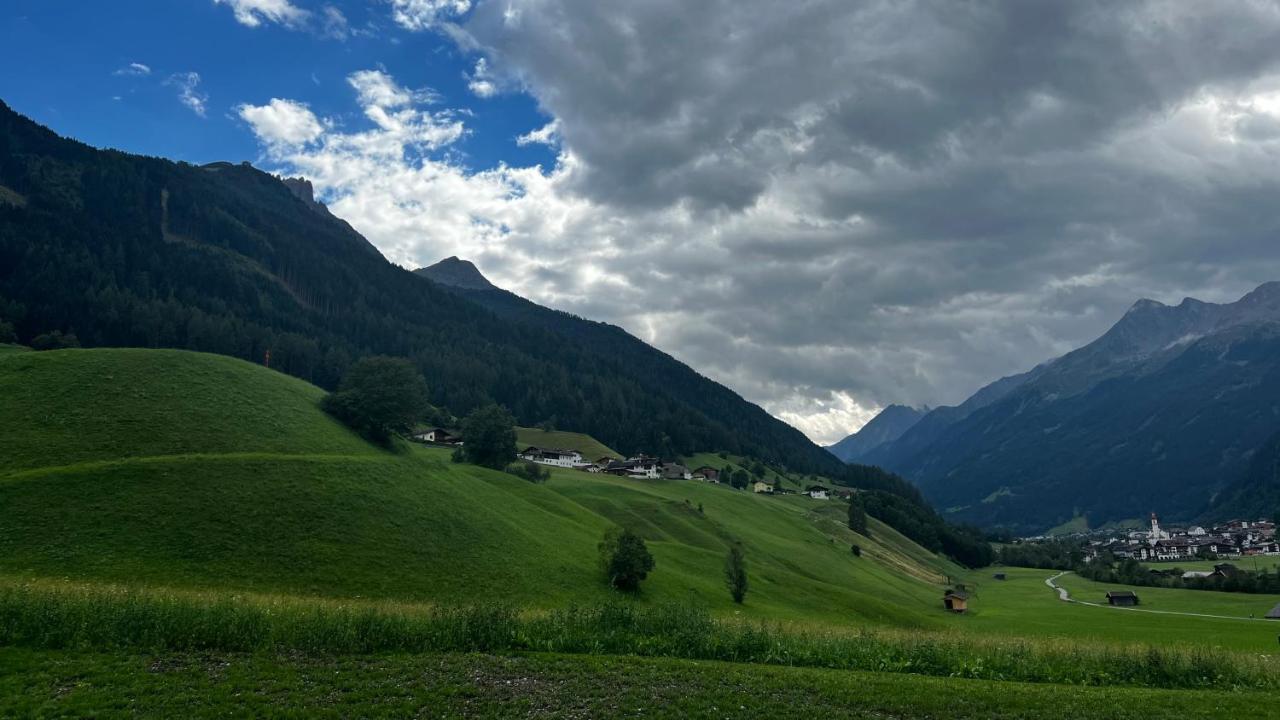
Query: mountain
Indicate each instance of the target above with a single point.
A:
(456, 273)
(1258, 492)
(1161, 413)
(643, 363)
(124, 250)
(887, 426)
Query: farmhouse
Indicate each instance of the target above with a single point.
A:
(956, 601)
(676, 471)
(761, 486)
(437, 435)
(553, 457)
(1122, 598)
(708, 474)
(817, 492)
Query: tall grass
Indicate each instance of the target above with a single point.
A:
(69, 616)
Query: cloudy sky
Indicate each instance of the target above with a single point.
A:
(828, 206)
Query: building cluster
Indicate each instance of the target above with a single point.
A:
(1238, 538)
(645, 467)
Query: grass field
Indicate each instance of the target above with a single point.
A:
(1264, 562)
(186, 470)
(99, 684)
(590, 448)
(193, 475)
(1024, 606)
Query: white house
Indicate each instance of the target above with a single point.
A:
(817, 492)
(552, 457)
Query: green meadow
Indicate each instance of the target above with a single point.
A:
(590, 448)
(155, 498)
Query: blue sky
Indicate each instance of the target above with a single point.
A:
(72, 53)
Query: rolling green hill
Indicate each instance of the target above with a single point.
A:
(189, 470)
(590, 448)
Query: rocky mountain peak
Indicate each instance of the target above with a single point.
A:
(456, 272)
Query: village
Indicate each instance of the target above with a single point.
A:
(1234, 539)
(638, 467)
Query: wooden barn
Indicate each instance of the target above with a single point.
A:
(956, 601)
(1122, 598)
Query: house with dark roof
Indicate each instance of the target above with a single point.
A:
(552, 456)
(436, 435)
(1122, 598)
(817, 492)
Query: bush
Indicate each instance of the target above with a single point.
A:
(625, 559)
(735, 573)
(489, 437)
(54, 341)
(379, 396)
(856, 550)
(529, 470)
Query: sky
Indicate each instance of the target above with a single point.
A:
(828, 206)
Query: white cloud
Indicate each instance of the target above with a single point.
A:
(133, 69)
(422, 14)
(334, 24)
(282, 123)
(189, 93)
(545, 135)
(253, 13)
(480, 82)
(377, 88)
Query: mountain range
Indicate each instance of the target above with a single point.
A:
(888, 425)
(123, 250)
(1165, 412)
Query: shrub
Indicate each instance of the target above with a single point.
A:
(529, 470)
(625, 559)
(489, 437)
(735, 573)
(379, 396)
(54, 341)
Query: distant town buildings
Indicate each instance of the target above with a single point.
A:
(1237, 538)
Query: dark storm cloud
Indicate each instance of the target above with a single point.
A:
(831, 206)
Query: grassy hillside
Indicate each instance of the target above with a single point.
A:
(590, 448)
(199, 471)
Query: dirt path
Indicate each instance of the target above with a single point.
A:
(1065, 596)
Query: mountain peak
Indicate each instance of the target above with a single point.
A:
(456, 272)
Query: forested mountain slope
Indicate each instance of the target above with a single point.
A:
(1161, 413)
(643, 364)
(125, 250)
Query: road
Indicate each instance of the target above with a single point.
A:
(1065, 596)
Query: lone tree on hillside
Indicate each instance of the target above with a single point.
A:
(857, 516)
(379, 396)
(489, 437)
(735, 573)
(625, 559)
(740, 479)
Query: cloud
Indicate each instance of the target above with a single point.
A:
(480, 82)
(545, 135)
(253, 13)
(282, 123)
(334, 24)
(832, 206)
(189, 94)
(423, 14)
(133, 69)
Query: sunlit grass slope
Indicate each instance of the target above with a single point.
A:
(590, 448)
(186, 470)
